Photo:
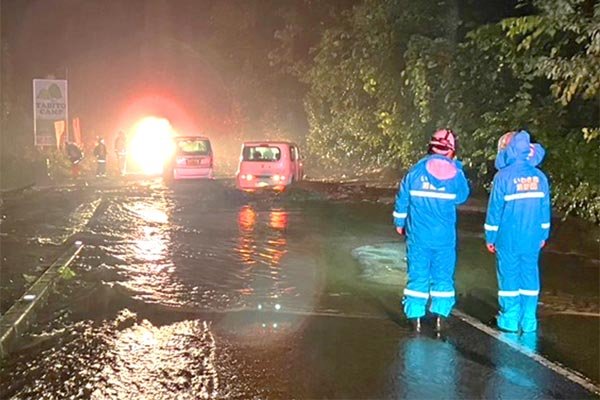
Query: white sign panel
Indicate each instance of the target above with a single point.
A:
(50, 104)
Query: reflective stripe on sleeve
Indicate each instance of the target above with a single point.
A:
(434, 293)
(400, 215)
(490, 227)
(414, 293)
(525, 195)
(433, 195)
(529, 292)
(508, 293)
(546, 225)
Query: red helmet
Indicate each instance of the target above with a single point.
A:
(444, 142)
(505, 140)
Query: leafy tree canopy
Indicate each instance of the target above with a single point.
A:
(390, 72)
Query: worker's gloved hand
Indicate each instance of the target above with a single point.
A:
(491, 247)
(400, 230)
(543, 244)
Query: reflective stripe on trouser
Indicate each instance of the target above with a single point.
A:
(430, 274)
(518, 290)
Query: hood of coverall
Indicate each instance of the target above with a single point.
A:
(519, 149)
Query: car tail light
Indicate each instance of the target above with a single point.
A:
(180, 160)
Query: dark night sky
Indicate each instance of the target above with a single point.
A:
(123, 58)
(175, 58)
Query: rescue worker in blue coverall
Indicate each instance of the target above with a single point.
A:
(517, 227)
(425, 211)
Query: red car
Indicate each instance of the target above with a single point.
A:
(269, 165)
(192, 159)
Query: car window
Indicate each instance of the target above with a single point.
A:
(292, 153)
(261, 153)
(193, 147)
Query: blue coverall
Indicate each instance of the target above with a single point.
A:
(517, 222)
(426, 205)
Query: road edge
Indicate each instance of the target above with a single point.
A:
(559, 369)
(20, 315)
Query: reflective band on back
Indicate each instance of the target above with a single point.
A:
(508, 293)
(414, 293)
(433, 195)
(399, 215)
(529, 292)
(525, 195)
(490, 227)
(441, 294)
(546, 225)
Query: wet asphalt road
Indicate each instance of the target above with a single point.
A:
(195, 291)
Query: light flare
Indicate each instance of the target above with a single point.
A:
(151, 145)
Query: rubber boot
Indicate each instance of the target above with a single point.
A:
(438, 324)
(417, 324)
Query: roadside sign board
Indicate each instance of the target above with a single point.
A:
(50, 104)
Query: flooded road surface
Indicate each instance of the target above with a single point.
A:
(32, 229)
(194, 291)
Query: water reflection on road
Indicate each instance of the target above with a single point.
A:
(148, 265)
(209, 297)
(261, 253)
(176, 255)
(428, 369)
(149, 361)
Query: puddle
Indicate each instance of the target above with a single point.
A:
(382, 263)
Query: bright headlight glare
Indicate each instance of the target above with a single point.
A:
(151, 145)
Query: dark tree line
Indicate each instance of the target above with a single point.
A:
(391, 71)
(361, 83)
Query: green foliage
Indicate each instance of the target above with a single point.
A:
(66, 273)
(574, 173)
(391, 71)
(562, 44)
(361, 111)
(58, 165)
